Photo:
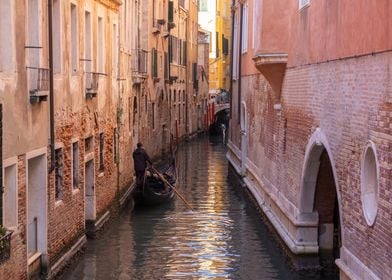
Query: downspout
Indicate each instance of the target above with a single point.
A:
(45, 266)
(232, 57)
(119, 109)
(240, 66)
(51, 90)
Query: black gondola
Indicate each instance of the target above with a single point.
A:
(154, 191)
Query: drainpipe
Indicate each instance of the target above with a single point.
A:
(240, 66)
(232, 57)
(51, 95)
(119, 104)
(45, 267)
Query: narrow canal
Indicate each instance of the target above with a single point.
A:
(224, 238)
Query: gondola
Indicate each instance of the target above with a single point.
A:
(154, 191)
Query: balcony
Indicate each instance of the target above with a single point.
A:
(272, 40)
(39, 84)
(92, 84)
(273, 68)
(156, 28)
(139, 65)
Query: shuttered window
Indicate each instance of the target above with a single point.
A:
(170, 17)
(154, 62)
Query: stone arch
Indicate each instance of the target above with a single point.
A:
(317, 148)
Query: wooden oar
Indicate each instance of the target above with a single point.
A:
(171, 186)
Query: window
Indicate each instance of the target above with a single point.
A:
(179, 113)
(369, 183)
(203, 5)
(57, 32)
(59, 174)
(303, 3)
(235, 45)
(74, 39)
(88, 45)
(34, 42)
(101, 152)
(6, 35)
(88, 145)
(217, 44)
(10, 197)
(170, 17)
(75, 165)
(101, 56)
(245, 9)
(154, 61)
(134, 115)
(225, 45)
(114, 50)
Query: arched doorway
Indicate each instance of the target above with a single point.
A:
(244, 143)
(319, 197)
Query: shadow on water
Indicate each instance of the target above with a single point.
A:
(224, 238)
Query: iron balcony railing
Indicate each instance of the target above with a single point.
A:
(140, 62)
(92, 81)
(39, 79)
(5, 247)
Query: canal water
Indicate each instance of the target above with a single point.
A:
(223, 238)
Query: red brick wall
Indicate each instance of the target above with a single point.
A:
(347, 101)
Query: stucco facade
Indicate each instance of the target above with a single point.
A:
(310, 128)
(215, 18)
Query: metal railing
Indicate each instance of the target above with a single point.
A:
(92, 81)
(140, 61)
(5, 247)
(39, 79)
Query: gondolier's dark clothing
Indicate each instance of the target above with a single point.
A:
(140, 159)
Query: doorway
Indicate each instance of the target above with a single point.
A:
(319, 197)
(244, 145)
(36, 212)
(90, 199)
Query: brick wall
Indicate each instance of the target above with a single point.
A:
(347, 100)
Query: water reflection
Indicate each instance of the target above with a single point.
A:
(223, 238)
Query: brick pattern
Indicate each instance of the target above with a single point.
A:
(346, 99)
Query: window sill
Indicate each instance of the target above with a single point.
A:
(75, 191)
(58, 203)
(101, 174)
(33, 258)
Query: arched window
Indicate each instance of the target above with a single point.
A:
(369, 183)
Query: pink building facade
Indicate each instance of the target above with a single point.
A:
(311, 125)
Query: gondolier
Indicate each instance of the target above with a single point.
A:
(140, 160)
